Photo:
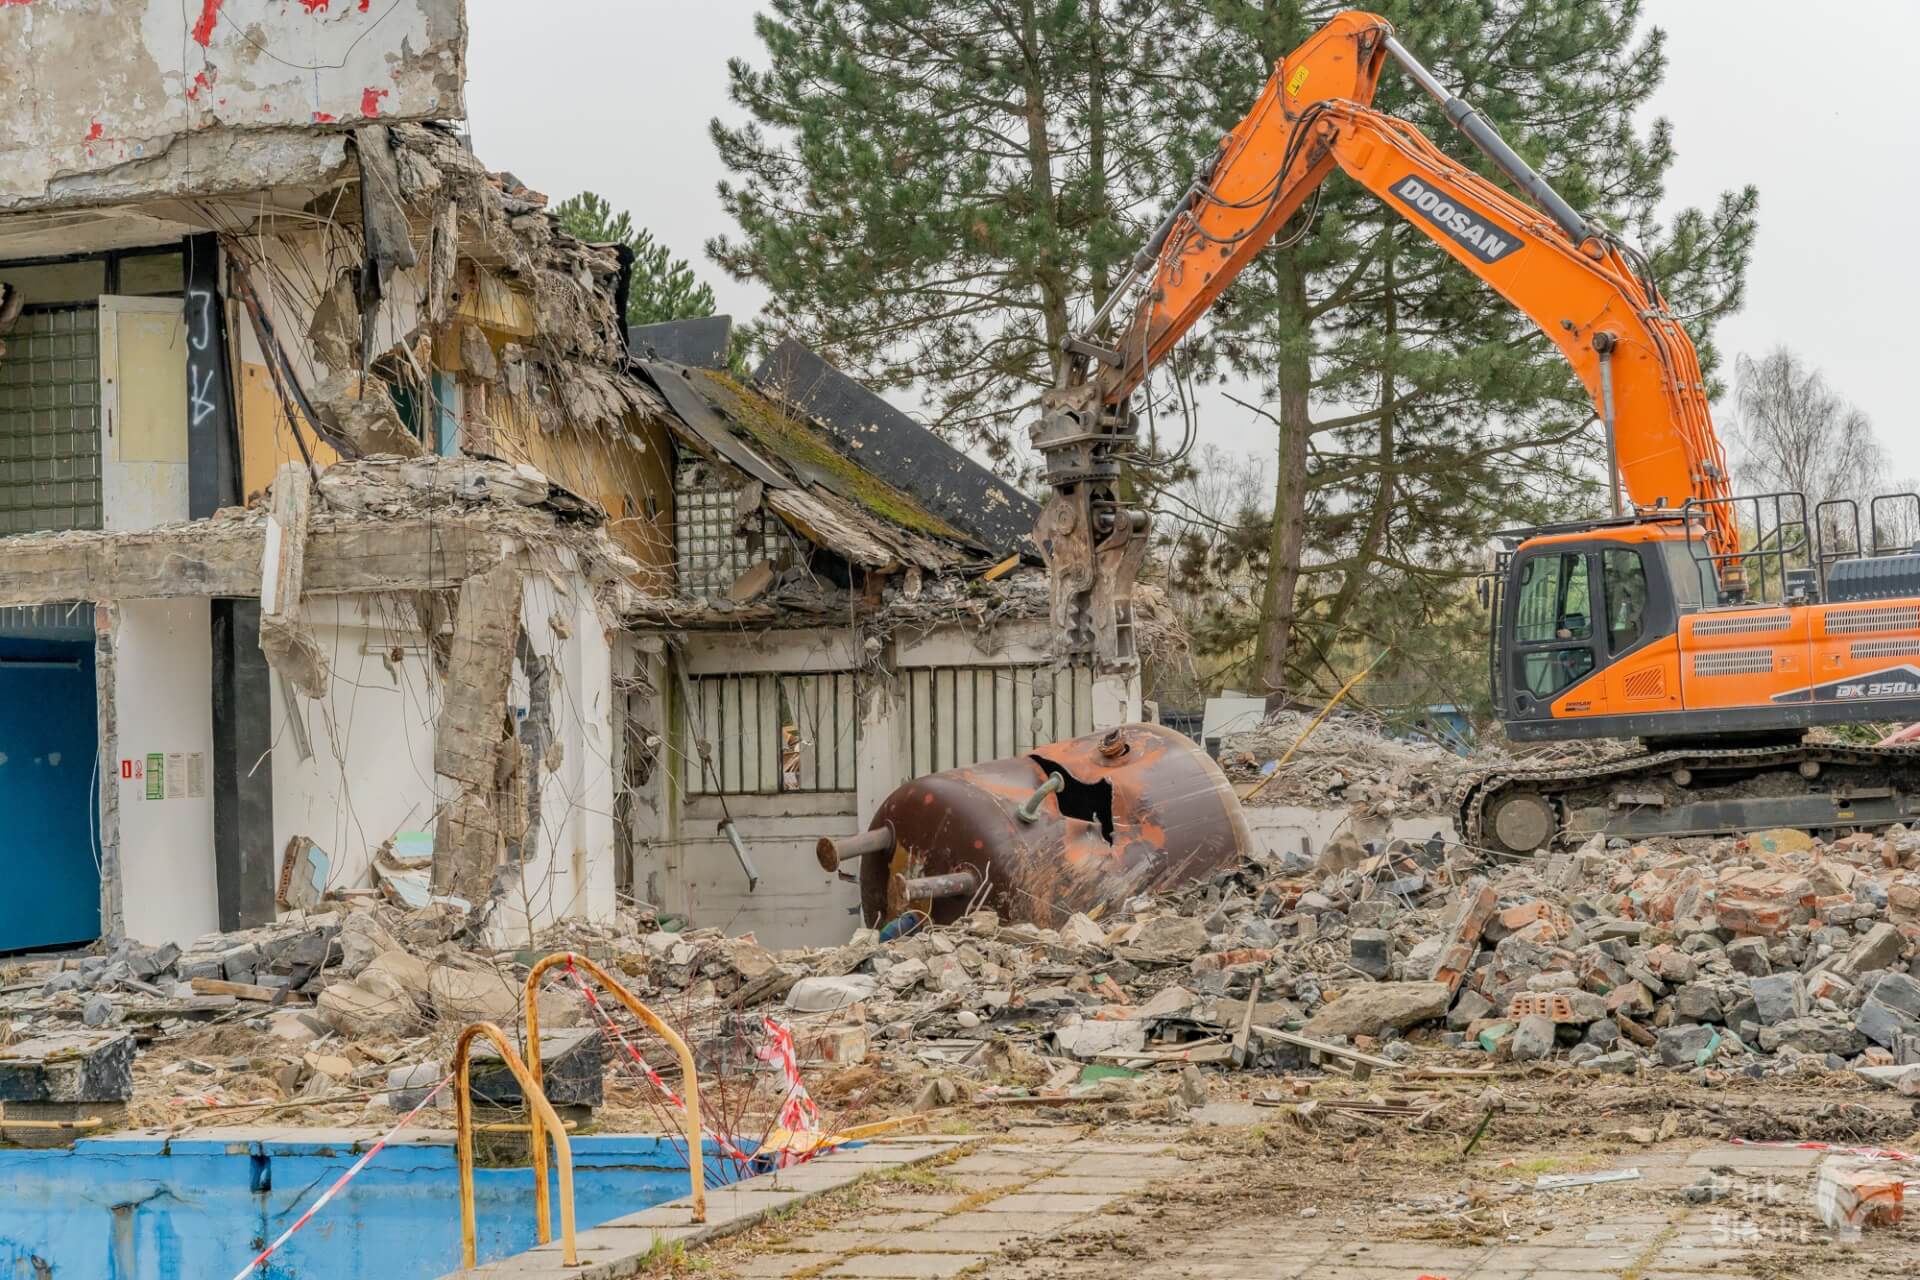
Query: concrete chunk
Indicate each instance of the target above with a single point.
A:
(1367, 1011)
(68, 1066)
(1749, 956)
(1686, 1045)
(572, 1070)
(1779, 997)
(1532, 1038)
(1881, 947)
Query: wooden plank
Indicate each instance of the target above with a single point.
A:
(1322, 1047)
(239, 990)
(1002, 569)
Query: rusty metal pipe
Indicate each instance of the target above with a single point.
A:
(834, 851)
(1053, 786)
(732, 834)
(955, 884)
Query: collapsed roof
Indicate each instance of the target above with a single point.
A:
(832, 460)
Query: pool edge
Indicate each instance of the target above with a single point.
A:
(619, 1249)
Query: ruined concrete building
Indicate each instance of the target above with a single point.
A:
(347, 547)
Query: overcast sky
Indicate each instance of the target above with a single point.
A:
(1817, 105)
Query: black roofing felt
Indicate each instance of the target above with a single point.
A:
(900, 451)
(701, 343)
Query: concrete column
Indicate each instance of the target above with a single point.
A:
(1116, 698)
(651, 808)
(885, 756)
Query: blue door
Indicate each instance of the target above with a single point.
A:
(49, 746)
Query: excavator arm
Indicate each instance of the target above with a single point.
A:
(1589, 292)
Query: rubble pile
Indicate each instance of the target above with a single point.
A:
(1349, 760)
(1769, 955)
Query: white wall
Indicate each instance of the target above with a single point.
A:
(371, 772)
(163, 702)
(116, 83)
(795, 903)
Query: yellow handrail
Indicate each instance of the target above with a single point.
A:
(540, 1113)
(689, 1076)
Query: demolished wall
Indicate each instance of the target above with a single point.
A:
(140, 98)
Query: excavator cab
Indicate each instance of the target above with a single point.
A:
(1571, 604)
(1640, 627)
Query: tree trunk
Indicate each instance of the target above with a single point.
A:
(1376, 531)
(1053, 290)
(1293, 371)
(1097, 143)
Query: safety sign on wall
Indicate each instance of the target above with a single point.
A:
(168, 775)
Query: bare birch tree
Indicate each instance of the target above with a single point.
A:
(1792, 431)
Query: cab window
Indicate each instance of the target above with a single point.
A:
(1623, 578)
(1548, 671)
(1552, 604)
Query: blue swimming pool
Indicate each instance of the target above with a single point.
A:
(133, 1207)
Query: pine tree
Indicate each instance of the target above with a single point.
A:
(928, 186)
(1416, 412)
(664, 287)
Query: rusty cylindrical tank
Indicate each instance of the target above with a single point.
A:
(1135, 809)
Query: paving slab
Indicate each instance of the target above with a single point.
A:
(1080, 1184)
(898, 1220)
(988, 1219)
(983, 1240)
(1739, 1157)
(922, 1201)
(777, 1266)
(612, 1250)
(1029, 1201)
(905, 1266)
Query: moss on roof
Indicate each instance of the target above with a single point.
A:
(802, 445)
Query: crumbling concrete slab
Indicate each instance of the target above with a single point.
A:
(290, 646)
(68, 1066)
(473, 730)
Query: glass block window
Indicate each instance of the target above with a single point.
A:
(50, 422)
(771, 733)
(963, 715)
(712, 545)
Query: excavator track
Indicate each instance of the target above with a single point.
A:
(1692, 791)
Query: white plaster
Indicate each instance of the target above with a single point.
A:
(119, 84)
(819, 649)
(371, 774)
(795, 904)
(1116, 698)
(163, 702)
(1014, 642)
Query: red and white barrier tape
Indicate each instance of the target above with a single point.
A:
(1872, 1153)
(340, 1182)
(607, 1023)
(798, 1114)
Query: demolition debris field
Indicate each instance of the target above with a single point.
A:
(1385, 1004)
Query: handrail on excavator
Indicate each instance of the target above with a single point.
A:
(689, 1076)
(540, 1113)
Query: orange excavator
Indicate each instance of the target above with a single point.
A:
(1713, 627)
